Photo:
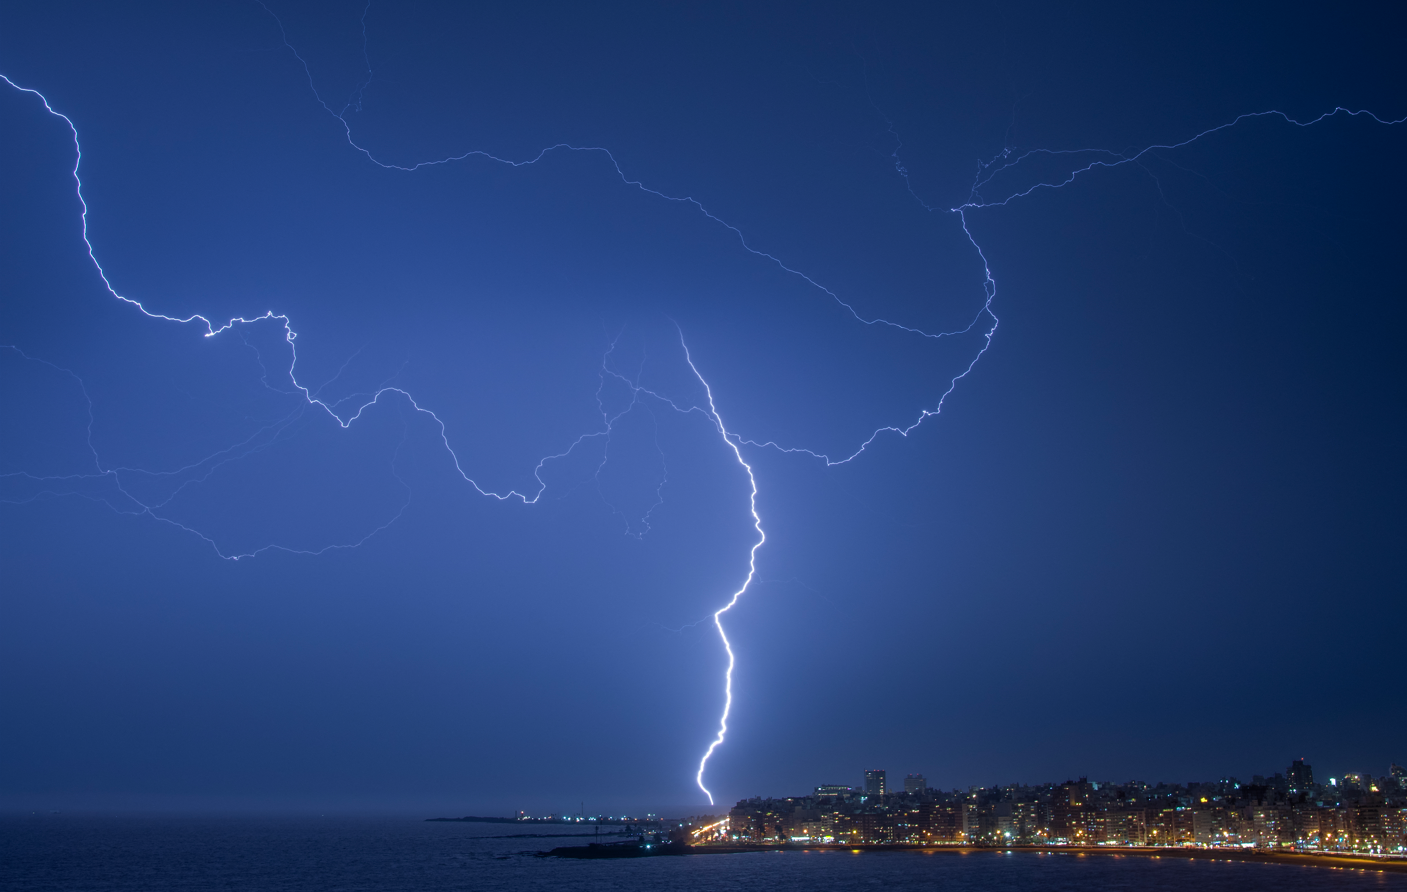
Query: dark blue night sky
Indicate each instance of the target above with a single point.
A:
(1156, 532)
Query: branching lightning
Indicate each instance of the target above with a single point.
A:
(985, 321)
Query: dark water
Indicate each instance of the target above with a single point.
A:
(74, 854)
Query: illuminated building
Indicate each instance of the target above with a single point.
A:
(1122, 826)
(943, 822)
(874, 782)
(1300, 776)
(1362, 814)
(1072, 815)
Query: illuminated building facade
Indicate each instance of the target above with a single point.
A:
(874, 782)
(1290, 811)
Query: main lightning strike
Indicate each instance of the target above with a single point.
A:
(1004, 161)
(734, 444)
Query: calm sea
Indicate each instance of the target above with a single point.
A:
(74, 854)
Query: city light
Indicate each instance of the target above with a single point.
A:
(1285, 812)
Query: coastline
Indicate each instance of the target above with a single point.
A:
(1336, 860)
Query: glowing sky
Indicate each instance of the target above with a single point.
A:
(491, 512)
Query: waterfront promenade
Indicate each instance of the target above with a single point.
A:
(1337, 860)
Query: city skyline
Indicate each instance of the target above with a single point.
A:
(1285, 811)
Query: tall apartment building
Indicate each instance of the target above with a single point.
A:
(874, 782)
(1300, 776)
(1072, 812)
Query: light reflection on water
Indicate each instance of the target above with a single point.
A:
(156, 854)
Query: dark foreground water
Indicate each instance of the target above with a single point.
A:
(74, 854)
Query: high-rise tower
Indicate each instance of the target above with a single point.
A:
(874, 782)
(1300, 777)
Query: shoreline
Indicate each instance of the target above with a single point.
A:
(1336, 860)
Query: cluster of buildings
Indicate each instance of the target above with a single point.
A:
(1356, 812)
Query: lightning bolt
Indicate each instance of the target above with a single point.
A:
(289, 336)
(733, 444)
(985, 320)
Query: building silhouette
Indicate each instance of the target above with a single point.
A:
(874, 782)
(1300, 776)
